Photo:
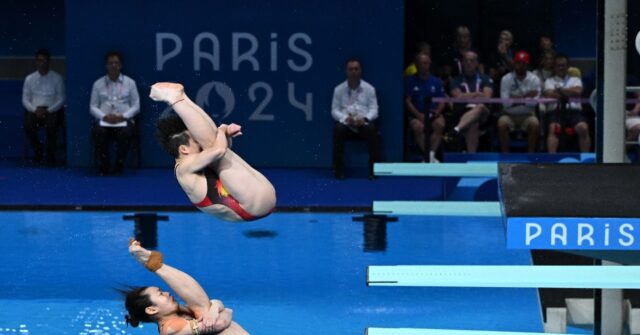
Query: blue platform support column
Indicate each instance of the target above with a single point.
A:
(614, 85)
(612, 60)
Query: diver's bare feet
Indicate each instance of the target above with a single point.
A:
(167, 92)
(138, 252)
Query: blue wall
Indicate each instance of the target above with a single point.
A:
(11, 119)
(300, 48)
(575, 27)
(27, 25)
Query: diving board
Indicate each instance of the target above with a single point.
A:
(512, 276)
(488, 169)
(438, 208)
(418, 331)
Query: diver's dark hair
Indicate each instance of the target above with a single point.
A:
(136, 301)
(171, 133)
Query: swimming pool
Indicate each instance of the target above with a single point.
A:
(290, 273)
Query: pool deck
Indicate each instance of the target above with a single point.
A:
(40, 188)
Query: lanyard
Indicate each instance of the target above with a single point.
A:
(353, 96)
(116, 88)
(516, 82)
(466, 86)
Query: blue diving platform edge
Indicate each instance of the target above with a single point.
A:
(475, 165)
(506, 276)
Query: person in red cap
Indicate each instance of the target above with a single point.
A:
(522, 57)
(519, 84)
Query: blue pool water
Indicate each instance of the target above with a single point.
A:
(286, 274)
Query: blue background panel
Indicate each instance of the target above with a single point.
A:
(286, 83)
(29, 25)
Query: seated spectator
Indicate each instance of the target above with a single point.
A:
(471, 84)
(573, 71)
(632, 110)
(422, 47)
(418, 92)
(565, 118)
(43, 99)
(453, 59)
(519, 83)
(632, 122)
(354, 108)
(545, 45)
(545, 67)
(114, 103)
(502, 59)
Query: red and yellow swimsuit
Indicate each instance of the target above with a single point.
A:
(217, 194)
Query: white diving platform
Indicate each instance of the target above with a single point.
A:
(439, 208)
(488, 169)
(506, 276)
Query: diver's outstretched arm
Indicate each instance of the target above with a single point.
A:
(180, 282)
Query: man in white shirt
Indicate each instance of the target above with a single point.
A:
(565, 118)
(354, 108)
(519, 83)
(43, 99)
(114, 103)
